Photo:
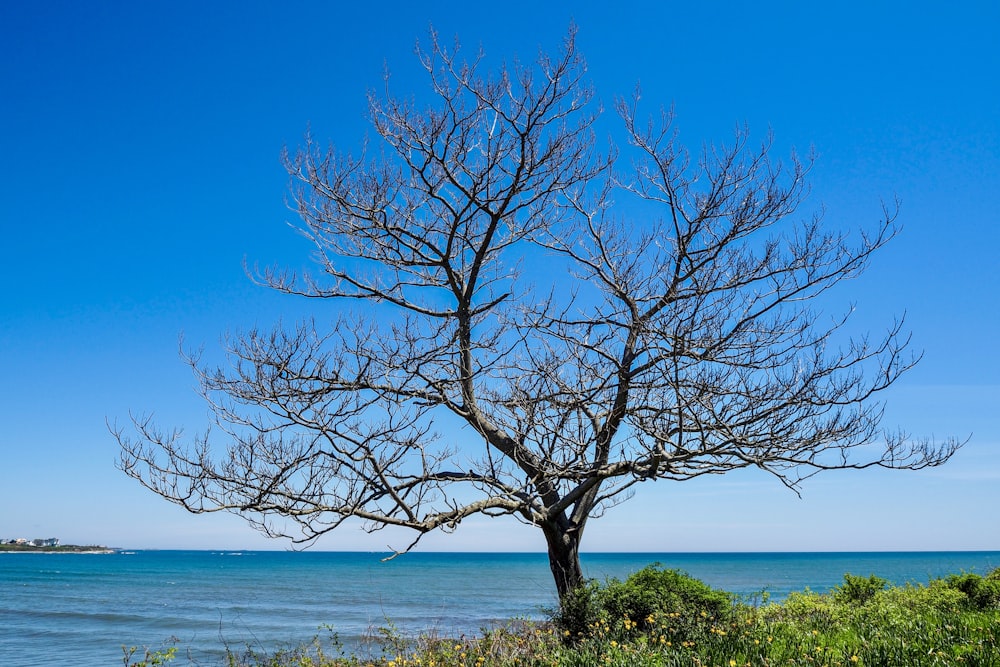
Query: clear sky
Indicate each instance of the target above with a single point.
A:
(139, 168)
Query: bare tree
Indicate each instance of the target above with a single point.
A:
(589, 326)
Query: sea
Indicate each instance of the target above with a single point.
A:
(87, 609)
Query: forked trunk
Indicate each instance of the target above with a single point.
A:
(564, 557)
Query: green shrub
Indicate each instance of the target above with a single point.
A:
(578, 611)
(804, 611)
(651, 592)
(859, 590)
(898, 611)
(631, 607)
(982, 593)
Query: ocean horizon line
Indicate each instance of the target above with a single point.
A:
(543, 553)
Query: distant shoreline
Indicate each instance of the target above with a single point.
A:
(61, 549)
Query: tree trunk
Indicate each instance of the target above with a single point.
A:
(564, 556)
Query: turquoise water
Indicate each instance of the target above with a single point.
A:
(80, 609)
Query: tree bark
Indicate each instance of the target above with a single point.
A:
(564, 556)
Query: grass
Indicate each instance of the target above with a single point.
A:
(951, 621)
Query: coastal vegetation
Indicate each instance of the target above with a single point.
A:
(53, 548)
(664, 618)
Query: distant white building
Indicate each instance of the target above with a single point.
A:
(39, 542)
(49, 542)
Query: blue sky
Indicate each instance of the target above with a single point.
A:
(139, 168)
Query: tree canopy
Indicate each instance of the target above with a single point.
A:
(593, 317)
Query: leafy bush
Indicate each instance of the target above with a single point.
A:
(804, 611)
(905, 611)
(859, 590)
(578, 611)
(631, 607)
(911, 599)
(652, 591)
(982, 593)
